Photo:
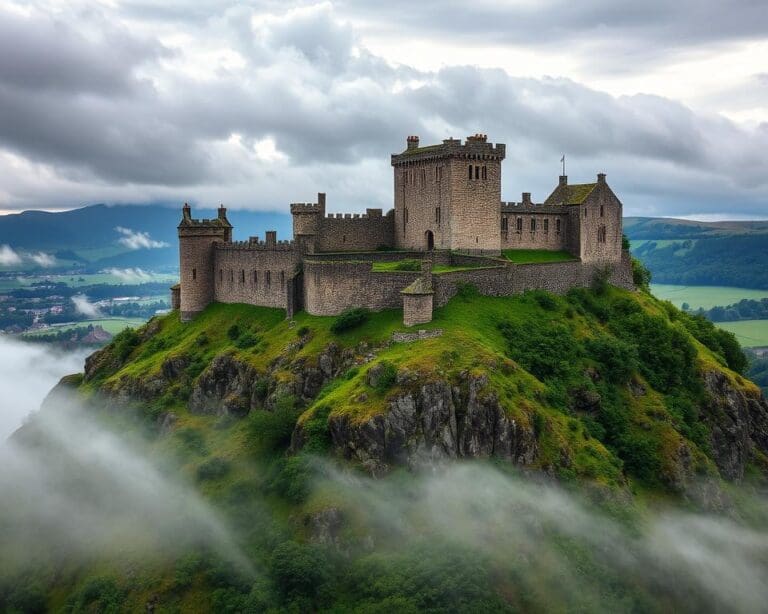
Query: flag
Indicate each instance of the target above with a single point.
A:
(563, 158)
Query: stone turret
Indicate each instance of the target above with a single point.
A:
(308, 219)
(196, 259)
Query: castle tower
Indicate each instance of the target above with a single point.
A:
(308, 219)
(447, 196)
(196, 259)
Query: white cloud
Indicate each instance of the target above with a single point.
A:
(42, 259)
(85, 307)
(8, 256)
(130, 275)
(138, 240)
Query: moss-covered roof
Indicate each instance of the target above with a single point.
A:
(572, 194)
(420, 286)
(422, 150)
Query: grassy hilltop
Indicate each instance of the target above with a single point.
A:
(620, 402)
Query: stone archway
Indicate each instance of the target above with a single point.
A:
(429, 238)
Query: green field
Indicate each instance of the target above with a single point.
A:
(529, 256)
(76, 281)
(750, 333)
(111, 325)
(415, 265)
(704, 296)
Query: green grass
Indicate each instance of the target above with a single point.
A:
(750, 333)
(529, 256)
(704, 296)
(399, 266)
(111, 325)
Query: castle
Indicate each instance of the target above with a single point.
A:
(447, 214)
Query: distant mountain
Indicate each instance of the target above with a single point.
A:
(702, 253)
(89, 234)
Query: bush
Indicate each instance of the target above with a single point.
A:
(352, 318)
(466, 291)
(233, 332)
(125, 342)
(641, 276)
(292, 479)
(192, 440)
(299, 570)
(270, 431)
(600, 281)
(302, 331)
(617, 358)
(213, 469)
(545, 300)
(99, 594)
(247, 340)
(546, 350)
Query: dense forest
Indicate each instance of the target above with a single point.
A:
(745, 309)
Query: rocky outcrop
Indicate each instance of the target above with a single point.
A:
(225, 387)
(432, 423)
(738, 422)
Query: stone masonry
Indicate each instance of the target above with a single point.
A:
(447, 211)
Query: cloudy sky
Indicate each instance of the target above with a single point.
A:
(257, 104)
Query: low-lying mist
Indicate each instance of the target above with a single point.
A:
(27, 372)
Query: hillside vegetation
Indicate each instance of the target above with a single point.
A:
(610, 394)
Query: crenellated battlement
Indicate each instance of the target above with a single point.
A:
(475, 147)
(254, 244)
(368, 215)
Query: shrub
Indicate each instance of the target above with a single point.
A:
(617, 358)
(213, 469)
(270, 431)
(545, 300)
(466, 291)
(387, 374)
(317, 436)
(641, 276)
(299, 569)
(247, 340)
(192, 440)
(125, 342)
(600, 281)
(352, 318)
(625, 242)
(233, 332)
(292, 479)
(545, 349)
(99, 594)
(408, 265)
(302, 331)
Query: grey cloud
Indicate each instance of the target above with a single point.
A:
(337, 111)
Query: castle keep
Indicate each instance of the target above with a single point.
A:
(447, 215)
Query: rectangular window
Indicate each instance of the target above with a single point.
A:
(242, 276)
(268, 278)
(437, 214)
(194, 274)
(477, 172)
(602, 211)
(533, 224)
(557, 225)
(470, 172)
(546, 225)
(231, 276)
(519, 224)
(585, 212)
(485, 172)
(221, 275)
(504, 222)
(255, 278)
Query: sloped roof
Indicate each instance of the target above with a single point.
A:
(420, 286)
(571, 194)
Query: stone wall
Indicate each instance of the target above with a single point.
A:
(417, 309)
(601, 210)
(366, 256)
(196, 257)
(256, 275)
(333, 287)
(539, 227)
(355, 232)
(555, 277)
(474, 221)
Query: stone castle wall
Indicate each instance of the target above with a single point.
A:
(332, 287)
(355, 232)
(534, 227)
(475, 206)
(602, 210)
(255, 274)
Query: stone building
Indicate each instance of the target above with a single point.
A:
(447, 211)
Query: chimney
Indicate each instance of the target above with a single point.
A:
(526, 198)
(412, 142)
(321, 202)
(186, 211)
(563, 180)
(601, 178)
(271, 238)
(222, 212)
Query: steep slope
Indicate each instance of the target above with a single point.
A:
(612, 394)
